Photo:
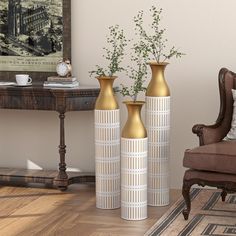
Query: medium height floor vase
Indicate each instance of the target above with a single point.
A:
(158, 128)
(134, 165)
(107, 146)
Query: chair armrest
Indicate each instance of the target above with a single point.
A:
(215, 133)
(209, 133)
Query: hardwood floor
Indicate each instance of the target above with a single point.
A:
(38, 211)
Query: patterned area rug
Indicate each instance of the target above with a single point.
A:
(208, 216)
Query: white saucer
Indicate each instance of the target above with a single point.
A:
(23, 85)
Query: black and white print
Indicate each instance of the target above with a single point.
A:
(31, 33)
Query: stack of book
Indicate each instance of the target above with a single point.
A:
(60, 82)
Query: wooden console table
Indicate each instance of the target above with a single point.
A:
(61, 100)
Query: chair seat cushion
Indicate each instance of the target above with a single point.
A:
(209, 176)
(218, 157)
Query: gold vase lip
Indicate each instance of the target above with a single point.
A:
(158, 63)
(134, 102)
(106, 77)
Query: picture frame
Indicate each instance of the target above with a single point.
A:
(37, 73)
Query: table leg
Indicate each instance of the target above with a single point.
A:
(61, 181)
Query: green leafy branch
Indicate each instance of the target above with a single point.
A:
(113, 54)
(137, 73)
(155, 44)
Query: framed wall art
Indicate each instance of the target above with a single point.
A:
(34, 36)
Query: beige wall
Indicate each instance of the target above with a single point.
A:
(204, 29)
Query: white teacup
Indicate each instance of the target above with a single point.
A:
(23, 79)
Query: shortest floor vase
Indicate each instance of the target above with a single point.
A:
(134, 165)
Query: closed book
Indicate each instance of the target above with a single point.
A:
(61, 85)
(60, 82)
(7, 83)
(61, 79)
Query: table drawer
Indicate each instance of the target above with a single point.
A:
(83, 103)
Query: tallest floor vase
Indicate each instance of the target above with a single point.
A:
(107, 146)
(158, 128)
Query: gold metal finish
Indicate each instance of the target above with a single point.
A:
(106, 99)
(134, 127)
(157, 86)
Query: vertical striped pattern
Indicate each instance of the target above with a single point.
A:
(133, 179)
(158, 129)
(107, 158)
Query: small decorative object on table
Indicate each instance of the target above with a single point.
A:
(64, 68)
(107, 125)
(157, 109)
(64, 78)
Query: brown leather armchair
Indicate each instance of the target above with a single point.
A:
(213, 163)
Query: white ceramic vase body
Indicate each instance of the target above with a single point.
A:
(158, 129)
(107, 158)
(134, 179)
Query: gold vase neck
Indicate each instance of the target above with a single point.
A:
(158, 86)
(134, 127)
(106, 99)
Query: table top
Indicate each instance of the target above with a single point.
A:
(37, 97)
(37, 89)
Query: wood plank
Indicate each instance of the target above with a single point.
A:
(35, 211)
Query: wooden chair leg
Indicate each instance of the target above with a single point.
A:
(223, 195)
(186, 196)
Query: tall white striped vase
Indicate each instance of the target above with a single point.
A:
(107, 158)
(107, 146)
(134, 179)
(158, 130)
(134, 169)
